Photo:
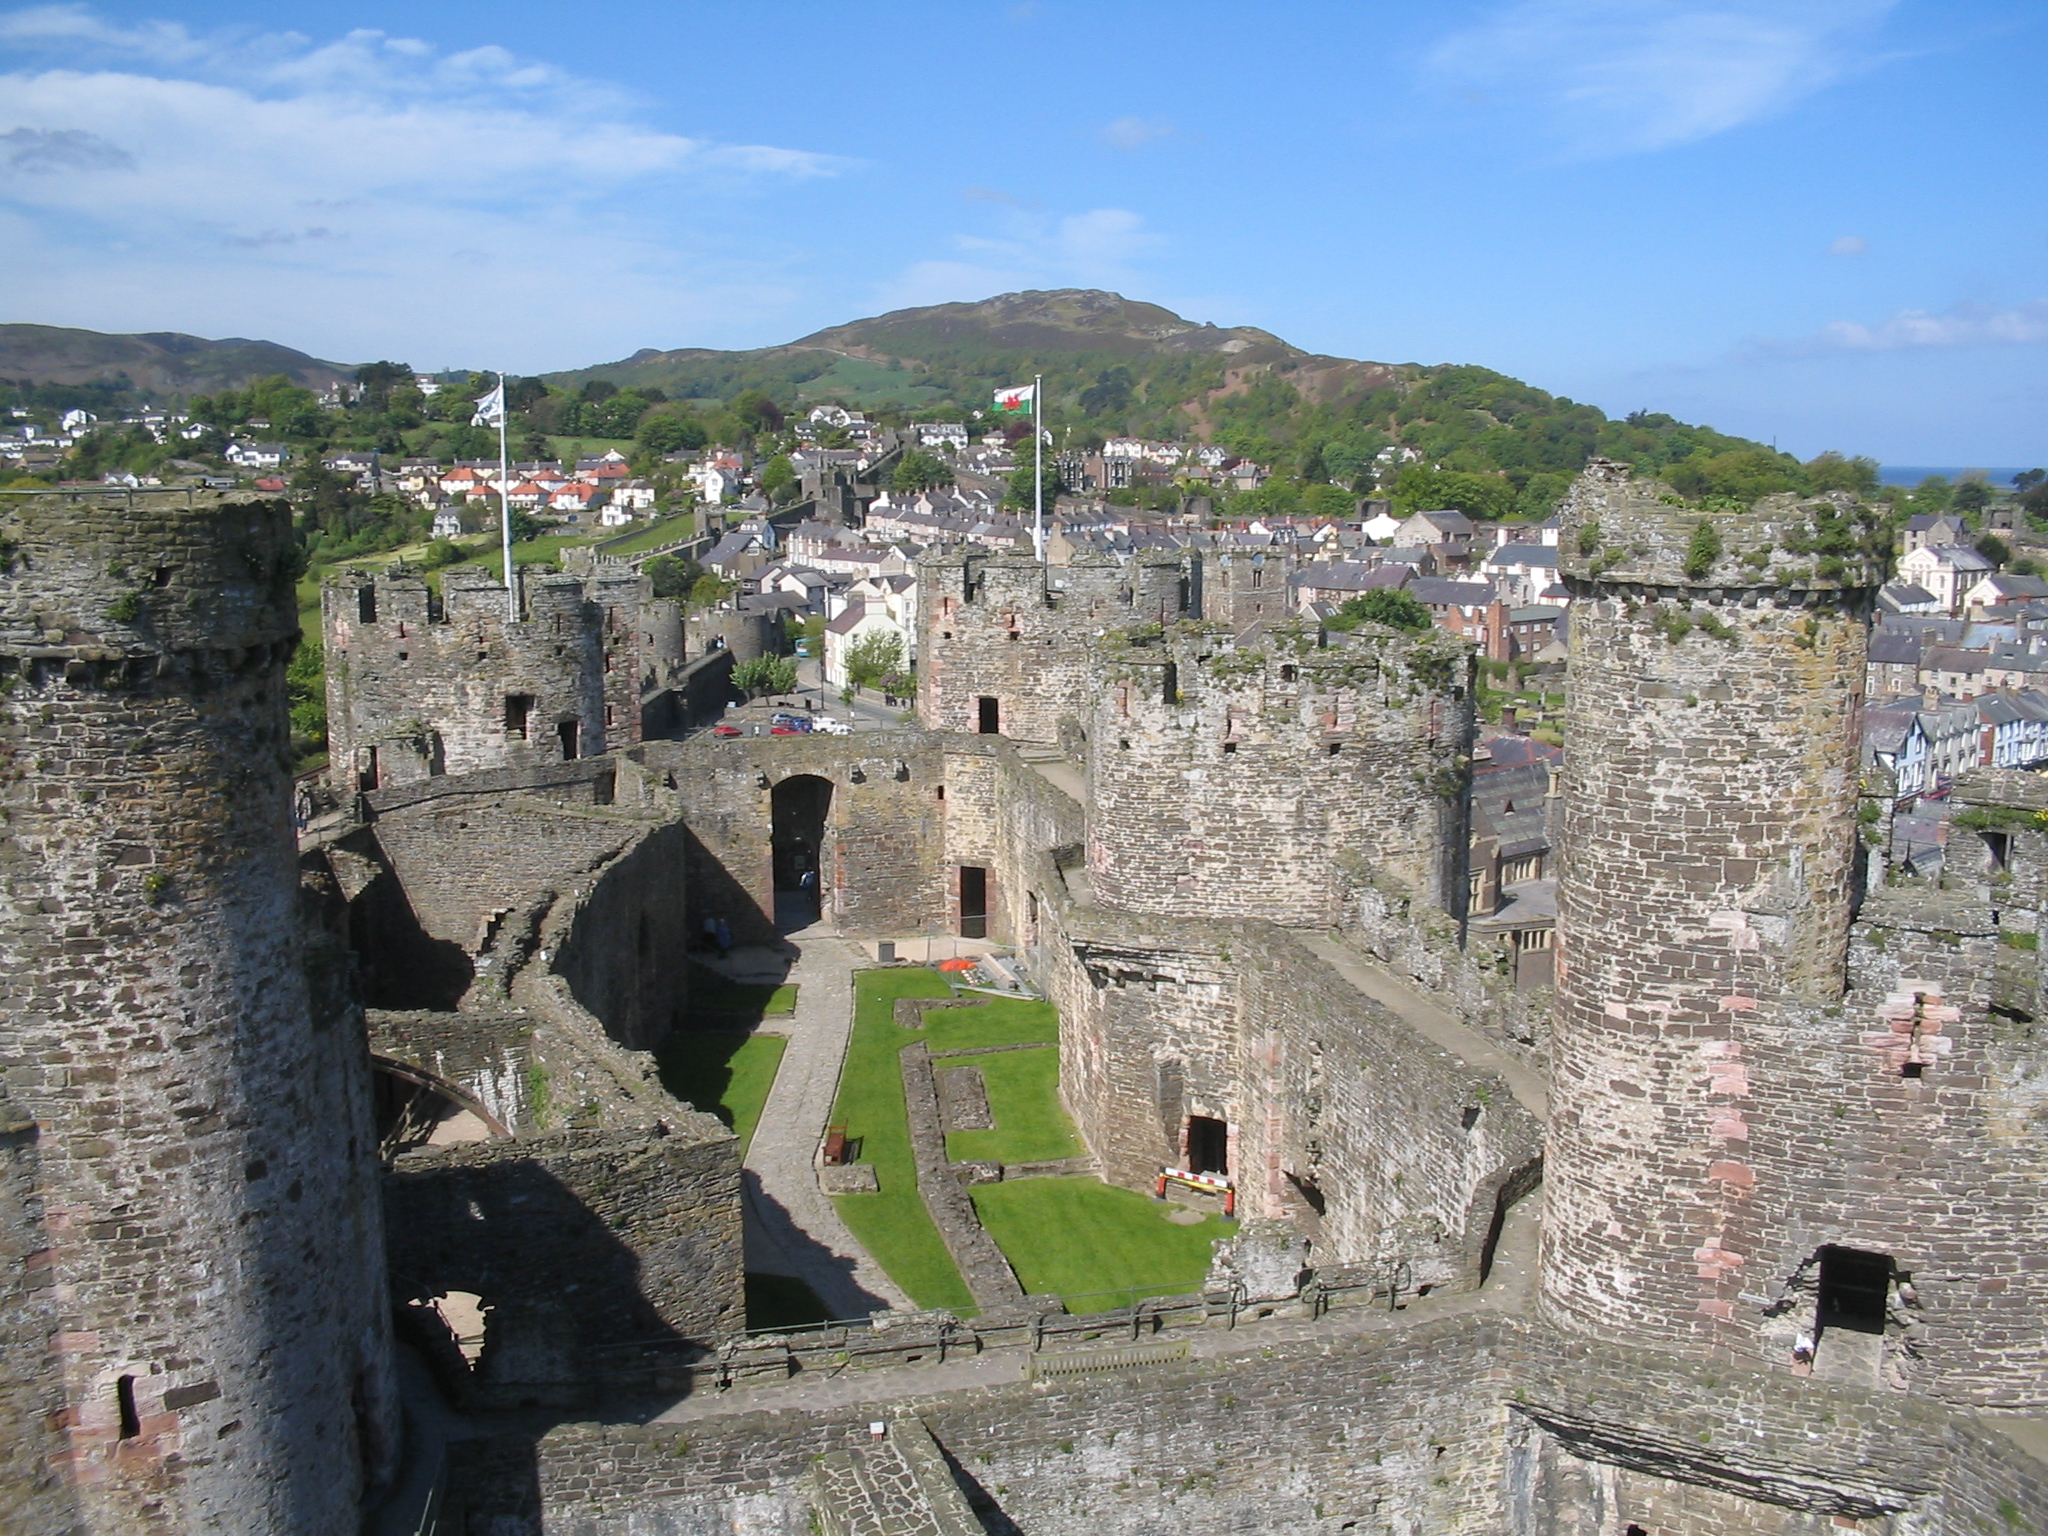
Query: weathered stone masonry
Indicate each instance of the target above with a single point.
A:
(1731, 1115)
(190, 1127)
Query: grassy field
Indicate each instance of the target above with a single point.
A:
(723, 1075)
(1024, 1101)
(892, 1225)
(1078, 1237)
(654, 535)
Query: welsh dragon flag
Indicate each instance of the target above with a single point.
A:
(1021, 401)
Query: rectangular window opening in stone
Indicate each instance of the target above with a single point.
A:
(1913, 1069)
(1169, 686)
(1855, 1288)
(517, 707)
(940, 791)
(366, 605)
(1999, 846)
(973, 902)
(124, 1399)
(566, 730)
(366, 770)
(1287, 674)
(1208, 1145)
(989, 716)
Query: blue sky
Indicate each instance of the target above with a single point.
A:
(1818, 222)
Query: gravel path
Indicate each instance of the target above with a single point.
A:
(792, 1225)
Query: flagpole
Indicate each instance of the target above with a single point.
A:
(505, 507)
(1038, 466)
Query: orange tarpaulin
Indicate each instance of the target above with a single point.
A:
(954, 965)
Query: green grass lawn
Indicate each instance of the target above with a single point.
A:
(892, 1224)
(713, 993)
(669, 529)
(723, 1075)
(1078, 1237)
(996, 1021)
(1024, 1101)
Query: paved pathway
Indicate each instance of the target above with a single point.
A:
(792, 1226)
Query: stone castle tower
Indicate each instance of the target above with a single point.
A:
(1748, 1156)
(419, 685)
(1006, 644)
(195, 1334)
(1233, 776)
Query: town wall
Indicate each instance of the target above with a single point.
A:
(1236, 779)
(1738, 1090)
(195, 1119)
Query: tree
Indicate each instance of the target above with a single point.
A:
(778, 480)
(525, 526)
(1832, 472)
(920, 471)
(1994, 549)
(1019, 493)
(306, 688)
(874, 656)
(672, 575)
(708, 591)
(670, 431)
(378, 380)
(1418, 489)
(766, 674)
(1970, 496)
(1388, 606)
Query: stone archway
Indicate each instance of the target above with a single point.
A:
(415, 1108)
(799, 807)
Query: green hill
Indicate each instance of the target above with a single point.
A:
(159, 364)
(1114, 366)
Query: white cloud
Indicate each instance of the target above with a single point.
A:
(258, 183)
(1849, 245)
(1095, 249)
(1617, 76)
(1965, 325)
(1136, 132)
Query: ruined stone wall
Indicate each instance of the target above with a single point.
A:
(425, 683)
(1010, 628)
(1378, 1434)
(1329, 1098)
(1233, 780)
(622, 942)
(204, 1190)
(479, 846)
(591, 1248)
(883, 859)
(1722, 1112)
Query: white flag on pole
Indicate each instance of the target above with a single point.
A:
(490, 411)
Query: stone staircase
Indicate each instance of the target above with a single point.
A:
(898, 1485)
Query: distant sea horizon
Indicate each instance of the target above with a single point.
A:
(1913, 474)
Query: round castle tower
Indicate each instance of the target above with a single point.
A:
(1235, 780)
(1707, 861)
(191, 1166)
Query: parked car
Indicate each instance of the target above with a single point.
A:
(796, 723)
(727, 730)
(830, 727)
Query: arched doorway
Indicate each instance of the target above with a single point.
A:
(798, 807)
(414, 1108)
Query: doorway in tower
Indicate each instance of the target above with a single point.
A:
(798, 808)
(1208, 1146)
(973, 902)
